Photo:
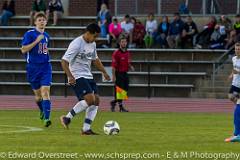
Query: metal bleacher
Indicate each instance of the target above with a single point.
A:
(158, 72)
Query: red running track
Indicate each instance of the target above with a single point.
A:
(133, 104)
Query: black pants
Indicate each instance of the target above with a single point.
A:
(122, 81)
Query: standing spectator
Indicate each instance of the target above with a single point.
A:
(162, 32)
(127, 27)
(151, 29)
(175, 31)
(8, 10)
(100, 2)
(138, 32)
(183, 8)
(114, 30)
(203, 37)
(121, 62)
(189, 32)
(37, 6)
(56, 8)
(104, 19)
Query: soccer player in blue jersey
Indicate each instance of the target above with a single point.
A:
(35, 45)
(76, 63)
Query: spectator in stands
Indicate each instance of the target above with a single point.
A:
(104, 19)
(127, 27)
(189, 32)
(175, 31)
(114, 31)
(100, 2)
(217, 40)
(162, 32)
(234, 34)
(55, 7)
(183, 8)
(37, 6)
(138, 32)
(203, 37)
(151, 30)
(8, 10)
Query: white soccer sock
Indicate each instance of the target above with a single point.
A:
(79, 107)
(91, 113)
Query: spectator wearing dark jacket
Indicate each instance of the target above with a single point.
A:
(8, 10)
(162, 32)
(189, 32)
(55, 7)
(175, 31)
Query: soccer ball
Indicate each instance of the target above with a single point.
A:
(111, 128)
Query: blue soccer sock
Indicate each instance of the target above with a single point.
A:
(237, 120)
(46, 108)
(39, 103)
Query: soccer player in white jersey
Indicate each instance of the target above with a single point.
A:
(234, 94)
(76, 63)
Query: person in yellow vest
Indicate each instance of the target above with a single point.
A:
(121, 63)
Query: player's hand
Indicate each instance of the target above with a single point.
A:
(114, 78)
(71, 81)
(107, 77)
(40, 37)
(235, 72)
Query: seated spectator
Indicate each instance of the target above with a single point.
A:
(114, 31)
(55, 7)
(203, 38)
(175, 31)
(183, 9)
(217, 40)
(151, 29)
(234, 34)
(162, 32)
(138, 32)
(100, 2)
(37, 6)
(104, 19)
(127, 27)
(189, 32)
(8, 10)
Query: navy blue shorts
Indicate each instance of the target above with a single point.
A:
(234, 90)
(84, 86)
(39, 75)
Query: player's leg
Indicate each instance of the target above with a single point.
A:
(91, 111)
(46, 103)
(85, 96)
(123, 83)
(113, 102)
(38, 99)
(233, 94)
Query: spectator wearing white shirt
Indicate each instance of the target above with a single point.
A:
(151, 30)
(127, 28)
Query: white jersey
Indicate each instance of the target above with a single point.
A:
(79, 55)
(236, 77)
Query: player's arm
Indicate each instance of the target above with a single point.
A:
(101, 68)
(235, 71)
(65, 66)
(26, 48)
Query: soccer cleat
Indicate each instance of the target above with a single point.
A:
(113, 104)
(89, 132)
(65, 121)
(122, 109)
(233, 139)
(41, 116)
(47, 122)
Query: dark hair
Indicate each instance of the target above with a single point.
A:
(39, 14)
(238, 15)
(127, 16)
(93, 28)
(176, 14)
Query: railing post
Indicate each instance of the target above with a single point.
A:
(159, 3)
(149, 79)
(116, 6)
(213, 75)
(204, 7)
(238, 6)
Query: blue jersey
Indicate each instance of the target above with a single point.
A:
(39, 53)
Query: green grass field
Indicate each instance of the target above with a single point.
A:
(140, 133)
